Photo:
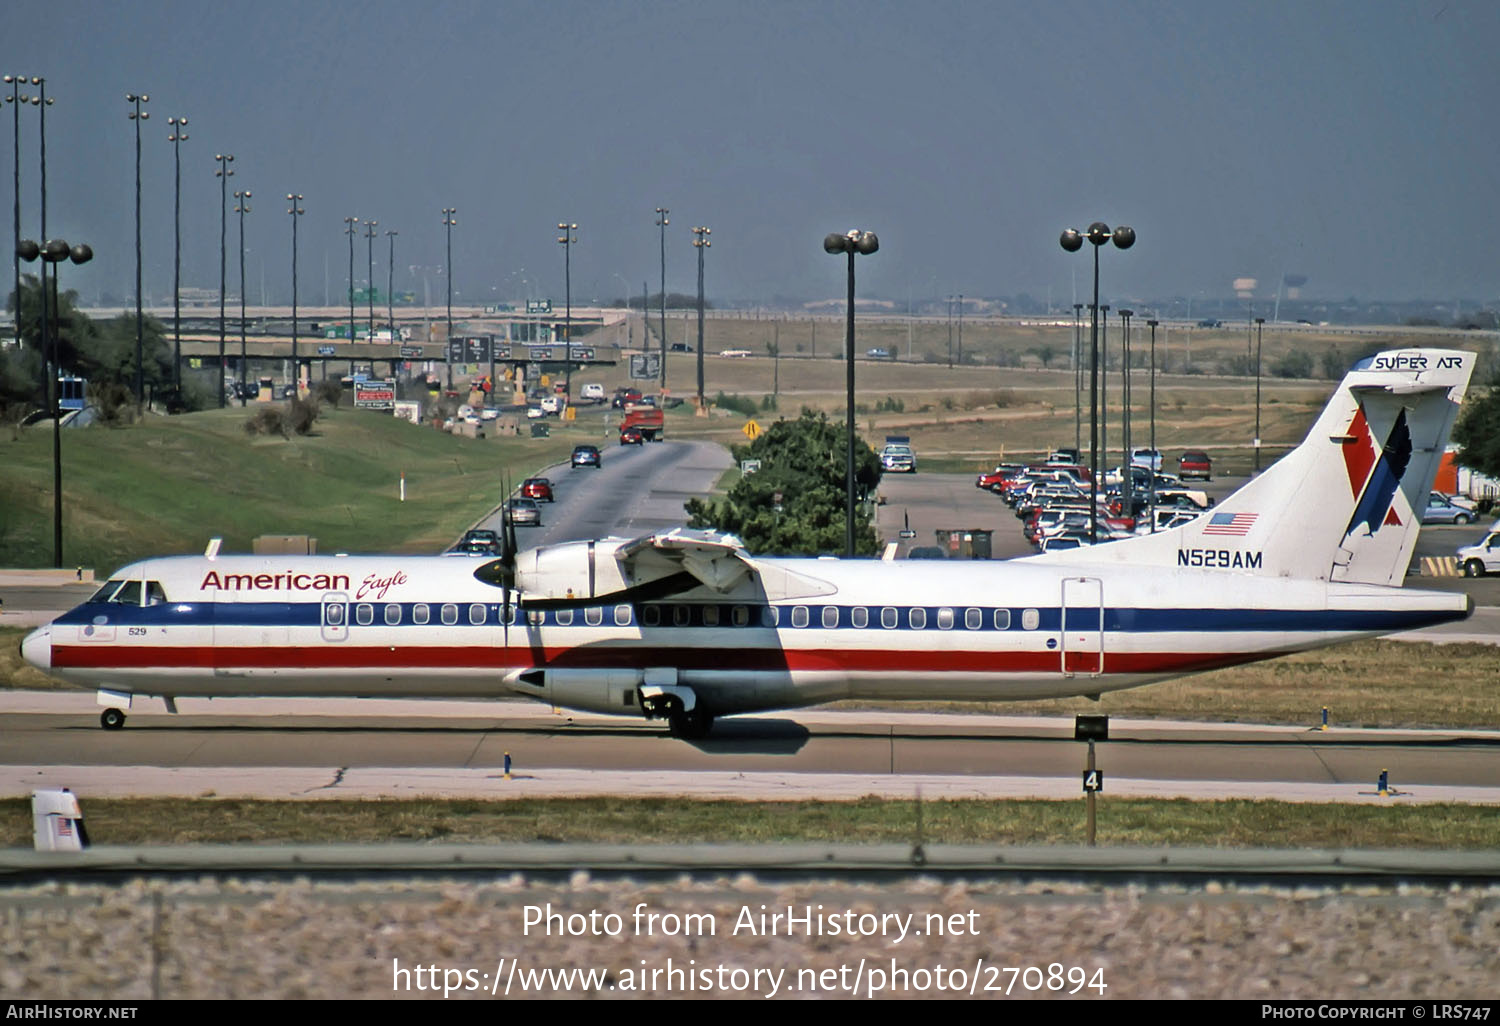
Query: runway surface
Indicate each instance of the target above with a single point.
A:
(306, 748)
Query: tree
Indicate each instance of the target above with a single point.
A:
(1477, 432)
(802, 461)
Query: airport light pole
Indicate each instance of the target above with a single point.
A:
(950, 332)
(1129, 485)
(1077, 376)
(54, 252)
(351, 231)
(661, 223)
(1259, 324)
(390, 286)
(296, 212)
(137, 116)
(448, 222)
(1072, 241)
(17, 99)
(177, 137)
(370, 273)
(568, 240)
(701, 242)
(242, 207)
(960, 329)
(1104, 382)
(851, 242)
(222, 173)
(1153, 322)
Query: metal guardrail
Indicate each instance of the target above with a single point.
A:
(789, 860)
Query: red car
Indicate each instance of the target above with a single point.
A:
(538, 488)
(1194, 463)
(631, 436)
(997, 477)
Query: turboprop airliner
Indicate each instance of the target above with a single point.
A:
(688, 625)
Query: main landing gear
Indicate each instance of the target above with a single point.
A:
(112, 719)
(691, 726)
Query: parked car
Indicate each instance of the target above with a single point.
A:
(538, 488)
(1195, 463)
(1482, 557)
(680, 347)
(1067, 456)
(524, 512)
(1146, 458)
(587, 456)
(1441, 509)
(995, 478)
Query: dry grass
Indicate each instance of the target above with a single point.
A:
(1218, 824)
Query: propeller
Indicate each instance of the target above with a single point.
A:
(507, 559)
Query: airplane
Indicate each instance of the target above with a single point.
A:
(689, 626)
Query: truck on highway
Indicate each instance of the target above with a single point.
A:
(646, 423)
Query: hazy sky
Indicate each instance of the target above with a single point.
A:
(1352, 142)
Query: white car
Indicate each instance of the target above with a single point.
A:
(593, 393)
(535, 413)
(1146, 458)
(553, 404)
(1483, 557)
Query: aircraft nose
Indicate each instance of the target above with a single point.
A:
(36, 649)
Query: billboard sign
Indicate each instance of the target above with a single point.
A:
(375, 395)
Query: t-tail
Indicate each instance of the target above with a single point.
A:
(1345, 505)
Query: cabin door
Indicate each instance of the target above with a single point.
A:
(334, 618)
(1082, 626)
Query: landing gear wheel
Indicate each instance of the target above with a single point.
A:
(690, 726)
(1473, 568)
(112, 719)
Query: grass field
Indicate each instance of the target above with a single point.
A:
(167, 485)
(1215, 824)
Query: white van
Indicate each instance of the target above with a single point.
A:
(593, 393)
(1483, 557)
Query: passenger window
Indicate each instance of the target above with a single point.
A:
(651, 616)
(450, 614)
(622, 616)
(1030, 619)
(888, 618)
(710, 616)
(945, 619)
(536, 617)
(1002, 619)
(476, 614)
(682, 616)
(770, 616)
(859, 616)
(392, 614)
(364, 614)
(973, 619)
(565, 617)
(830, 617)
(918, 618)
(799, 616)
(419, 613)
(333, 614)
(741, 616)
(593, 616)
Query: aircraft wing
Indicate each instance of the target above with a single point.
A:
(651, 568)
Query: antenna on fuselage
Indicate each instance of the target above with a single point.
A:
(212, 552)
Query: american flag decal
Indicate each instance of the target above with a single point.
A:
(1230, 523)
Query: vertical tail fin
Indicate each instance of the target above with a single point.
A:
(1345, 505)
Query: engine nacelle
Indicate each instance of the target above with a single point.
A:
(613, 691)
(572, 570)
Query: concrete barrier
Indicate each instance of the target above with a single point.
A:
(39, 577)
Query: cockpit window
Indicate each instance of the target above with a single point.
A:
(129, 594)
(103, 594)
(154, 593)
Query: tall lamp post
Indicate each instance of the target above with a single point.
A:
(351, 231)
(1153, 322)
(701, 242)
(54, 252)
(1077, 376)
(851, 242)
(370, 273)
(390, 285)
(242, 207)
(448, 222)
(1072, 242)
(296, 212)
(661, 223)
(222, 173)
(137, 115)
(1128, 460)
(960, 329)
(568, 241)
(1259, 324)
(17, 99)
(177, 137)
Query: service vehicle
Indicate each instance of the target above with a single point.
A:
(1482, 557)
(647, 421)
